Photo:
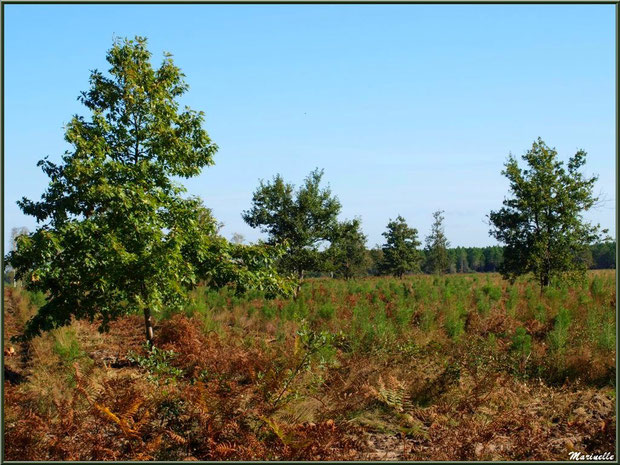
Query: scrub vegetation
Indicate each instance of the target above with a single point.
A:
(464, 367)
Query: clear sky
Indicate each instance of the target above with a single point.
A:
(408, 108)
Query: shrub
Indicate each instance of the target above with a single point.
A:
(66, 346)
(597, 288)
(157, 364)
(540, 313)
(511, 301)
(454, 322)
(37, 298)
(607, 336)
(494, 293)
(521, 342)
(268, 310)
(326, 311)
(427, 320)
(559, 335)
(482, 302)
(454, 325)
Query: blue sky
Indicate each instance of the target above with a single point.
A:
(408, 108)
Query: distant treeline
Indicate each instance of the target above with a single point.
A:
(468, 260)
(603, 256)
(489, 259)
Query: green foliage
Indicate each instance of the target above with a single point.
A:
(268, 310)
(310, 344)
(521, 342)
(300, 220)
(37, 298)
(540, 313)
(436, 250)
(494, 293)
(346, 255)
(67, 347)
(604, 254)
(375, 261)
(327, 311)
(482, 301)
(240, 267)
(455, 322)
(427, 319)
(116, 225)
(553, 294)
(601, 329)
(541, 224)
(400, 252)
(558, 337)
(597, 288)
(118, 236)
(607, 336)
(157, 363)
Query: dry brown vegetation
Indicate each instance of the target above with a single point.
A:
(462, 367)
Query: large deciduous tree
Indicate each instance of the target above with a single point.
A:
(437, 260)
(300, 220)
(541, 224)
(400, 252)
(116, 235)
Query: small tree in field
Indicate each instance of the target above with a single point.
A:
(437, 260)
(541, 223)
(347, 253)
(400, 252)
(117, 236)
(300, 220)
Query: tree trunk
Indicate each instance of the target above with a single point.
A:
(148, 326)
(544, 282)
(300, 277)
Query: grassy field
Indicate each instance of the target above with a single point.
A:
(461, 367)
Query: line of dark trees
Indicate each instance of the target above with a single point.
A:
(459, 260)
(488, 259)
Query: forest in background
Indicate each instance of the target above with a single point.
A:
(601, 256)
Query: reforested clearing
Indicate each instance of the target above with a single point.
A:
(459, 367)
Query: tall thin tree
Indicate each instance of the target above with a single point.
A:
(437, 260)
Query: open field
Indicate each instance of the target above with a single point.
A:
(459, 367)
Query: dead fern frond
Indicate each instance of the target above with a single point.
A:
(276, 429)
(176, 438)
(132, 409)
(392, 393)
(225, 449)
(153, 444)
(108, 414)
